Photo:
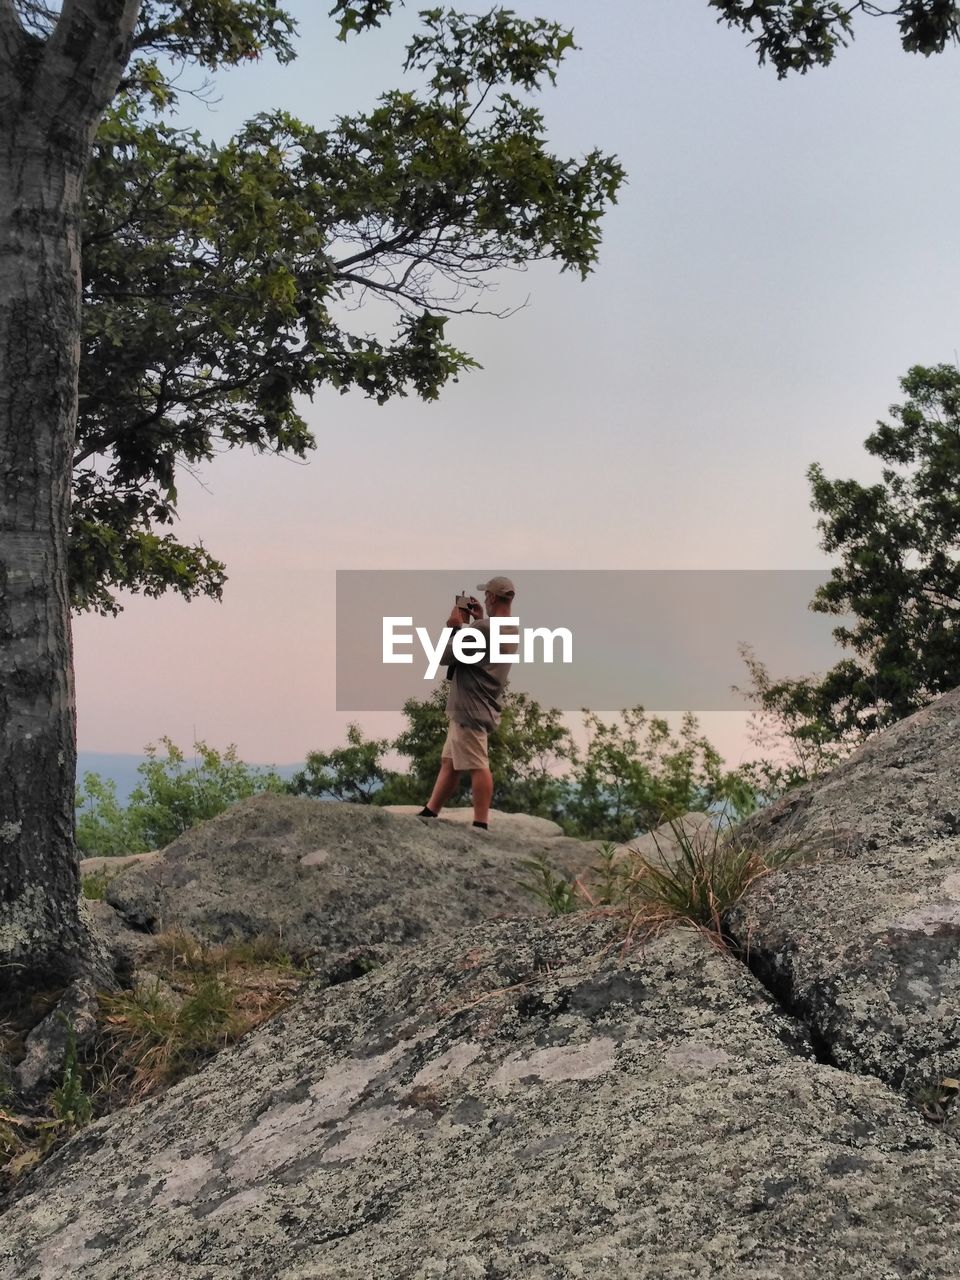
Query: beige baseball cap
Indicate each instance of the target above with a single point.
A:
(500, 586)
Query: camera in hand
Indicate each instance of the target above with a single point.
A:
(468, 604)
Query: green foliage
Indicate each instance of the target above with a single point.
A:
(897, 582)
(558, 894)
(354, 772)
(104, 827)
(421, 743)
(70, 1101)
(798, 745)
(529, 752)
(173, 797)
(605, 877)
(215, 276)
(94, 885)
(795, 35)
(634, 773)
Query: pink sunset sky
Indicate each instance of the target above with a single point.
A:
(783, 252)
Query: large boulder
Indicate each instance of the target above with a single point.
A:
(864, 943)
(524, 1102)
(326, 877)
(901, 788)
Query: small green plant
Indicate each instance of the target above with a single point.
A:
(70, 1101)
(557, 893)
(94, 885)
(606, 877)
(208, 997)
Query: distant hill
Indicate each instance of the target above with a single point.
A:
(122, 768)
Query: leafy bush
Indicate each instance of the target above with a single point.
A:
(354, 772)
(632, 773)
(173, 797)
(105, 829)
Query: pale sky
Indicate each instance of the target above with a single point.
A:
(783, 252)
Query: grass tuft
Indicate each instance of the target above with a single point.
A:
(699, 881)
(94, 885)
(696, 882)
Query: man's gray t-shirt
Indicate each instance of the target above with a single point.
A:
(475, 698)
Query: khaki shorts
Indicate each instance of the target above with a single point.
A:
(465, 748)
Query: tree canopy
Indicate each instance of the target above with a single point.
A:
(223, 284)
(897, 584)
(795, 35)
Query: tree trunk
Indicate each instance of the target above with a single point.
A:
(52, 95)
(40, 293)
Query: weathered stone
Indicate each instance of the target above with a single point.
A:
(150, 986)
(126, 946)
(864, 944)
(901, 789)
(328, 877)
(75, 1016)
(525, 1102)
(91, 866)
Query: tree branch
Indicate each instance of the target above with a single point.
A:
(12, 37)
(84, 59)
(382, 246)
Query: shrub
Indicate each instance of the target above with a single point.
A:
(105, 829)
(173, 797)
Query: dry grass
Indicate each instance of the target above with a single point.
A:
(199, 1000)
(695, 882)
(698, 882)
(202, 999)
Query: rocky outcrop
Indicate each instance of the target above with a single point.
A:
(864, 944)
(522, 1102)
(901, 789)
(326, 878)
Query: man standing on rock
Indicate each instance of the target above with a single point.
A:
(474, 706)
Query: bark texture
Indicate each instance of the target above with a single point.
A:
(52, 94)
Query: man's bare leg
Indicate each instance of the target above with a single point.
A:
(448, 780)
(481, 784)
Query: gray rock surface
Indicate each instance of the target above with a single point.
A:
(331, 877)
(902, 788)
(75, 1015)
(90, 866)
(523, 1102)
(864, 945)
